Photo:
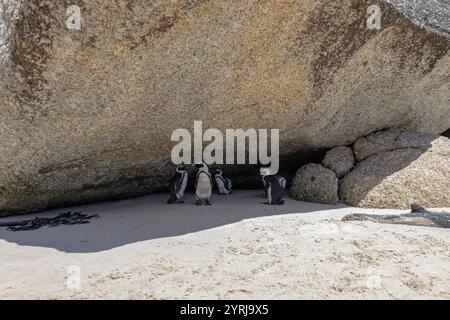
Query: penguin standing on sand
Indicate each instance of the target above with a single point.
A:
(274, 187)
(203, 185)
(224, 185)
(281, 180)
(178, 185)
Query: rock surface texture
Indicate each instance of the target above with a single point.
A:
(87, 115)
(431, 14)
(399, 168)
(340, 160)
(387, 140)
(314, 183)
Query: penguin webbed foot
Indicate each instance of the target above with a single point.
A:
(199, 203)
(278, 203)
(208, 203)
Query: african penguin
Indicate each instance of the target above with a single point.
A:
(224, 185)
(178, 185)
(274, 187)
(281, 180)
(203, 185)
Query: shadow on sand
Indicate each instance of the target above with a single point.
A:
(139, 219)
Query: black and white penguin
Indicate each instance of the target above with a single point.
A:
(178, 185)
(274, 187)
(203, 185)
(224, 185)
(281, 180)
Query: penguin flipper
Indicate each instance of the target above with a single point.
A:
(229, 185)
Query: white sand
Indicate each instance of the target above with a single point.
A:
(237, 249)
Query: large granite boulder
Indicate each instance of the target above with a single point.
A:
(87, 114)
(399, 168)
(315, 183)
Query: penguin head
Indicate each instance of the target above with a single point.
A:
(265, 172)
(218, 172)
(202, 167)
(181, 168)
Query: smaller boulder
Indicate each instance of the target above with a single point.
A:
(388, 140)
(340, 160)
(315, 183)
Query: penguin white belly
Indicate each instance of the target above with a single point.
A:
(282, 182)
(221, 186)
(269, 193)
(203, 191)
(183, 186)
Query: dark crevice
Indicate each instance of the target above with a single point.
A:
(447, 133)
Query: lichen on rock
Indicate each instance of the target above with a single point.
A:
(314, 183)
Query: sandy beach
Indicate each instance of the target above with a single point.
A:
(238, 248)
